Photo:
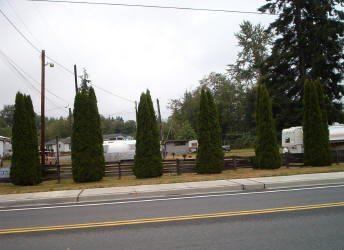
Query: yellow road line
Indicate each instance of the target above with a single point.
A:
(168, 219)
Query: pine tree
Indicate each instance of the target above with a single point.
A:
(315, 128)
(267, 150)
(308, 45)
(88, 162)
(148, 161)
(210, 154)
(25, 169)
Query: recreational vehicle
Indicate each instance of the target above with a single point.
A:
(292, 138)
(119, 150)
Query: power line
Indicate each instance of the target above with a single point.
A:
(110, 93)
(32, 79)
(22, 74)
(57, 63)
(53, 60)
(31, 43)
(22, 21)
(19, 32)
(62, 107)
(154, 6)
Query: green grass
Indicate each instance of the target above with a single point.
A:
(234, 152)
(241, 152)
(68, 184)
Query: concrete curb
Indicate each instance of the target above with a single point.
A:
(301, 180)
(235, 185)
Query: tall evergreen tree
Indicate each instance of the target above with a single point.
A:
(88, 162)
(25, 169)
(324, 104)
(148, 161)
(267, 150)
(210, 154)
(308, 45)
(315, 128)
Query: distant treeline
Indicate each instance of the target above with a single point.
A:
(62, 126)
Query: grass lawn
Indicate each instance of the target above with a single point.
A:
(68, 184)
(241, 152)
(233, 152)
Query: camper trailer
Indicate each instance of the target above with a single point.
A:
(292, 138)
(5, 146)
(119, 150)
(193, 146)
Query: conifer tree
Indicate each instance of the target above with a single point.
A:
(210, 154)
(324, 103)
(88, 162)
(25, 169)
(315, 128)
(308, 45)
(267, 150)
(148, 161)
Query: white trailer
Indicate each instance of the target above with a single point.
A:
(292, 138)
(193, 146)
(5, 146)
(119, 150)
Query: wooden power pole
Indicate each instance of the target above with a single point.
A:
(43, 108)
(75, 79)
(161, 134)
(70, 118)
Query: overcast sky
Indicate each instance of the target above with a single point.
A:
(125, 50)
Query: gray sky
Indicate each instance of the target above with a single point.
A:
(125, 50)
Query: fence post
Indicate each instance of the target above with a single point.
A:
(234, 163)
(178, 166)
(119, 170)
(58, 161)
(286, 157)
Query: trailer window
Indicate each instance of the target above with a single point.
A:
(287, 140)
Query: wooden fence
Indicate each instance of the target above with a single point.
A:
(125, 168)
(179, 166)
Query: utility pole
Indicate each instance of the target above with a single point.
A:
(43, 108)
(75, 79)
(161, 134)
(70, 118)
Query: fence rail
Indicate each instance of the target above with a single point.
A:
(125, 168)
(179, 166)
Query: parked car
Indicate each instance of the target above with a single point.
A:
(226, 148)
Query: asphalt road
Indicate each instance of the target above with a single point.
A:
(313, 228)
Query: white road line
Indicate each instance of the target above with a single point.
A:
(168, 199)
